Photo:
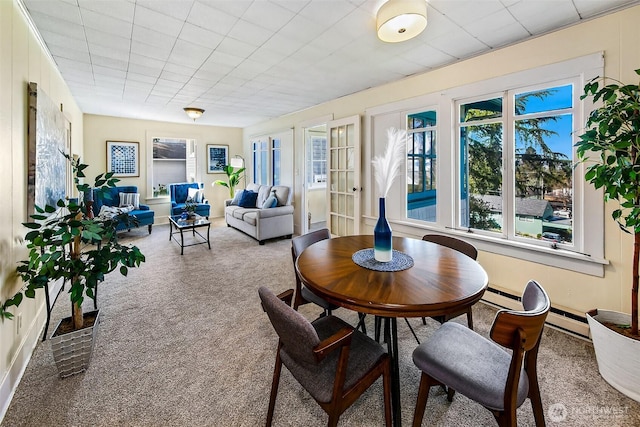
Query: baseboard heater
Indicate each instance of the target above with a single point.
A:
(559, 319)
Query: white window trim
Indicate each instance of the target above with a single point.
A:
(588, 255)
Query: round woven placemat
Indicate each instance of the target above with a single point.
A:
(399, 261)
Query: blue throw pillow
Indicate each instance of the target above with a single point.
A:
(248, 199)
(236, 198)
(271, 202)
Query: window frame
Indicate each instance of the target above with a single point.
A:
(586, 256)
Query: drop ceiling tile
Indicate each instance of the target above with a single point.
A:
(135, 77)
(154, 52)
(54, 25)
(109, 62)
(540, 20)
(108, 52)
(282, 44)
(181, 79)
(588, 8)
(218, 59)
(179, 9)
(56, 9)
(152, 37)
(146, 61)
(99, 38)
(65, 52)
(146, 71)
(249, 33)
(200, 36)
(106, 71)
(189, 54)
(328, 14)
(66, 64)
(62, 40)
(120, 9)
(458, 44)
(207, 17)
(463, 12)
(155, 20)
(269, 15)
(106, 24)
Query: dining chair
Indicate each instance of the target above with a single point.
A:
(461, 246)
(331, 360)
(302, 294)
(464, 361)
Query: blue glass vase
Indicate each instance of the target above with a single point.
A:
(382, 236)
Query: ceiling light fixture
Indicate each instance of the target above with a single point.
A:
(400, 20)
(194, 113)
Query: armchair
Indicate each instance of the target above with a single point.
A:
(179, 192)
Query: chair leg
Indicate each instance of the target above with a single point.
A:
(412, 331)
(377, 321)
(450, 393)
(386, 386)
(470, 318)
(424, 321)
(421, 403)
(361, 325)
(274, 388)
(534, 396)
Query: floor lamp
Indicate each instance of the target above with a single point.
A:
(237, 162)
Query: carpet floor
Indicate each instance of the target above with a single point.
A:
(183, 342)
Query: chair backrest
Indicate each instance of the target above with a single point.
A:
(300, 243)
(530, 322)
(179, 192)
(109, 196)
(297, 335)
(451, 242)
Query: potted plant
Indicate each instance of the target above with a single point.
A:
(66, 242)
(190, 208)
(613, 137)
(233, 179)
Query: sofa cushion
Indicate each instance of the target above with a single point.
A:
(282, 194)
(250, 217)
(253, 187)
(248, 199)
(263, 195)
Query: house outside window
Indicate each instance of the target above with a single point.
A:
(531, 131)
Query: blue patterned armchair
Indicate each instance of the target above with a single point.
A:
(179, 192)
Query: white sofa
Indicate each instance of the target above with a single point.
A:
(263, 224)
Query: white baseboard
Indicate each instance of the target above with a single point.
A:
(21, 360)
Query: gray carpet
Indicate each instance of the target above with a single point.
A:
(183, 342)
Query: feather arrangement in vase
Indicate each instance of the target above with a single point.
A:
(385, 170)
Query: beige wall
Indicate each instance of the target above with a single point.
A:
(22, 60)
(99, 129)
(618, 35)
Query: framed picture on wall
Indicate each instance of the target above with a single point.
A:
(217, 158)
(123, 159)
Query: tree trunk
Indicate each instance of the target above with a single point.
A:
(76, 310)
(634, 289)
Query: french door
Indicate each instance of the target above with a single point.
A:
(343, 182)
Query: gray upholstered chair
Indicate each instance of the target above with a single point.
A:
(466, 362)
(461, 246)
(302, 294)
(332, 361)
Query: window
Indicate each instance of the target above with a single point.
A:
(267, 161)
(532, 131)
(174, 160)
(421, 166)
(317, 159)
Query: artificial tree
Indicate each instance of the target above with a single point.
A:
(613, 134)
(233, 179)
(66, 243)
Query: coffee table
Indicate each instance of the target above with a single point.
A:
(181, 225)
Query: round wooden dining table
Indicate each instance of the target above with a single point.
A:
(441, 281)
